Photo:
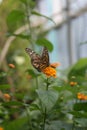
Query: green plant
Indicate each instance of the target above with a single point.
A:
(51, 103)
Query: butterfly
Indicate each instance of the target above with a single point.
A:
(39, 62)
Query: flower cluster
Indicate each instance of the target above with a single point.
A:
(73, 83)
(1, 128)
(81, 96)
(11, 66)
(50, 70)
(54, 65)
(7, 97)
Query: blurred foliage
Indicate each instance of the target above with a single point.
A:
(79, 69)
(28, 99)
(5, 9)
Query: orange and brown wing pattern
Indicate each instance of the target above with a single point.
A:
(45, 58)
(35, 58)
(39, 62)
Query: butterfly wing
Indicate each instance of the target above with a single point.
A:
(39, 62)
(45, 58)
(35, 58)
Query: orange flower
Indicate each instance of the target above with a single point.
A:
(49, 71)
(85, 97)
(1, 128)
(81, 96)
(11, 66)
(7, 96)
(54, 65)
(73, 83)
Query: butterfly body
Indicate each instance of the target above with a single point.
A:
(39, 62)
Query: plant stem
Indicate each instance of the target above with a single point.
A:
(28, 12)
(47, 85)
(73, 126)
(45, 111)
(28, 115)
(44, 119)
(37, 82)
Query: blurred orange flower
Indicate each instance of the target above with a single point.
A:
(7, 97)
(73, 83)
(54, 65)
(1, 128)
(11, 66)
(81, 96)
(85, 97)
(49, 71)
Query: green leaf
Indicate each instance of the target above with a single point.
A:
(81, 64)
(19, 96)
(24, 1)
(79, 69)
(45, 42)
(12, 103)
(48, 98)
(82, 122)
(80, 106)
(79, 114)
(4, 86)
(66, 95)
(18, 124)
(41, 15)
(32, 73)
(59, 125)
(34, 107)
(31, 4)
(15, 17)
